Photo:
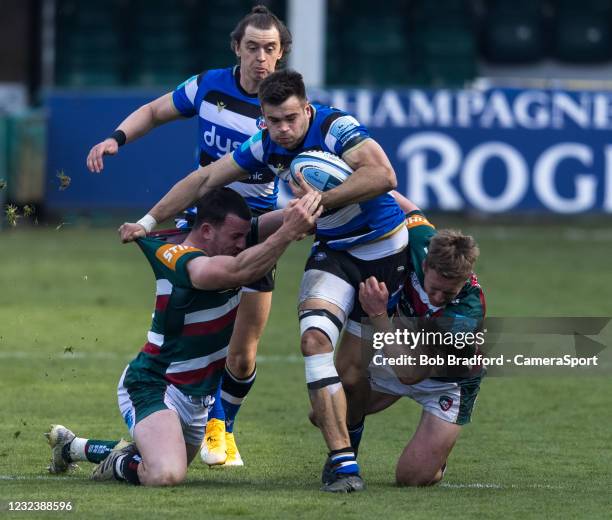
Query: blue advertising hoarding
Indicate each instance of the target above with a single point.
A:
(495, 151)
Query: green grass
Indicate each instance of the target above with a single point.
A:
(537, 446)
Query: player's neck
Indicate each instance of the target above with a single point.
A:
(192, 241)
(249, 86)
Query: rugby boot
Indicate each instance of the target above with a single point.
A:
(343, 483)
(58, 437)
(106, 469)
(328, 473)
(233, 455)
(214, 449)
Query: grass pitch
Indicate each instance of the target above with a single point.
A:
(75, 306)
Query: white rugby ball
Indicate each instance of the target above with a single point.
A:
(321, 170)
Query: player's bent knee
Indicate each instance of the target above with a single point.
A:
(166, 477)
(416, 478)
(241, 364)
(314, 342)
(165, 473)
(319, 329)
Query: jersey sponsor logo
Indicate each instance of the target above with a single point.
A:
(260, 177)
(216, 141)
(418, 220)
(344, 128)
(445, 403)
(169, 254)
(260, 122)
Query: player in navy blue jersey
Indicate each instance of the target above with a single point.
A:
(362, 232)
(226, 104)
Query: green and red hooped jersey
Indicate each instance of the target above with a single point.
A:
(467, 309)
(191, 328)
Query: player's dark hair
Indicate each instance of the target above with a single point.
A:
(452, 254)
(280, 86)
(262, 18)
(218, 204)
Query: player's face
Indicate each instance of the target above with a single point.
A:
(440, 291)
(258, 52)
(288, 122)
(229, 238)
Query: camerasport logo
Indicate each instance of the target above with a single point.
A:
(445, 403)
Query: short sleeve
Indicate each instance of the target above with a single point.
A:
(184, 95)
(250, 155)
(420, 232)
(341, 132)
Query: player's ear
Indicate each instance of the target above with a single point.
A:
(236, 48)
(206, 231)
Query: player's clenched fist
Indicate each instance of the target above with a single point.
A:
(373, 296)
(94, 158)
(129, 232)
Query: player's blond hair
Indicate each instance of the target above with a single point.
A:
(452, 254)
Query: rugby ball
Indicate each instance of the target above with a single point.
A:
(321, 170)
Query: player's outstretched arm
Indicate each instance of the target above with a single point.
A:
(223, 272)
(405, 203)
(137, 124)
(183, 194)
(271, 221)
(374, 297)
(373, 175)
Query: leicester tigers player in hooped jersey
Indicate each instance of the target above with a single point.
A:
(441, 284)
(165, 391)
(226, 104)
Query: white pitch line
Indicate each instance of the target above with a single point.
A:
(475, 485)
(482, 485)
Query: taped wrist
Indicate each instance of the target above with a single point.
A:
(148, 222)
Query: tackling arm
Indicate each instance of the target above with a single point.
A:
(223, 272)
(374, 297)
(271, 221)
(184, 193)
(405, 203)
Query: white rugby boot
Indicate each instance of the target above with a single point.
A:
(59, 436)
